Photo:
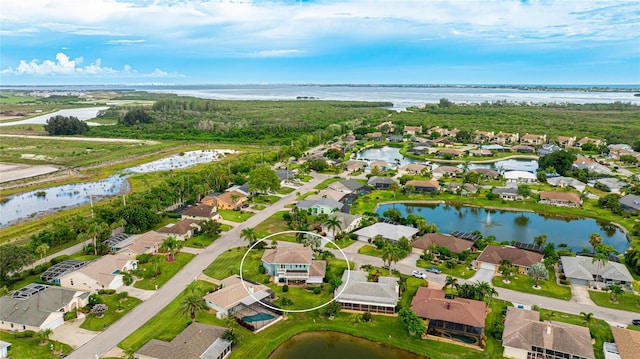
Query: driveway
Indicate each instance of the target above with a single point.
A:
(71, 333)
(482, 275)
(580, 294)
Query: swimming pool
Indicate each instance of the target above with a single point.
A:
(257, 317)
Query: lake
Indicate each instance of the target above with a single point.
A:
(33, 203)
(519, 226)
(323, 345)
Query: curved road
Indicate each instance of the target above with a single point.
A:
(121, 329)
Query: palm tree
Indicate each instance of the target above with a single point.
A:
(394, 187)
(484, 288)
(507, 271)
(602, 260)
(172, 246)
(452, 282)
(249, 234)
(333, 224)
(490, 294)
(386, 253)
(540, 240)
(395, 255)
(42, 250)
(594, 240)
(191, 305)
(44, 335)
(587, 318)
(615, 290)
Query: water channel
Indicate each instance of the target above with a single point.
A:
(519, 226)
(33, 203)
(322, 345)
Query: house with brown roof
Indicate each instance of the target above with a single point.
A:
(566, 141)
(232, 292)
(486, 172)
(414, 168)
(481, 153)
(562, 199)
(463, 189)
(231, 200)
(457, 319)
(482, 136)
(449, 152)
(584, 140)
(424, 185)
(200, 212)
(523, 149)
(103, 273)
(412, 130)
(291, 265)
(627, 342)
(454, 244)
(525, 336)
(374, 136)
(385, 127)
(531, 139)
(451, 171)
(182, 230)
(505, 138)
(148, 242)
(522, 259)
(442, 142)
(197, 341)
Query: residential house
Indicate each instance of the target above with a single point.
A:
(412, 130)
(481, 153)
(208, 200)
(630, 203)
(289, 265)
(526, 337)
(464, 189)
(563, 199)
(4, 349)
(548, 148)
(450, 171)
(486, 172)
(382, 182)
(439, 130)
(520, 177)
(107, 272)
(395, 138)
(354, 165)
(531, 139)
(56, 271)
(350, 186)
(201, 212)
(456, 319)
(566, 182)
(585, 270)
(231, 200)
(182, 230)
(482, 136)
(39, 306)
(349, 138)
(505, 138)
(419, 150)
(387, 231)
(356, 293)
(449, 152)
(381, 165)
(566, 141)
(414, 168)
(454, 244)
(522, 259)
(197, 341)
(374, 136)
(326, 193)
(232, 292)
(584, 140)
(423, 185)
(442, 142)
(613, 185)
(348, 223)
(323, 205)
(508, 193)
(148, 242)
(627, 342)
(588, 164)
(243, 189)
(495, 148)
(523, 149)
(385, 127)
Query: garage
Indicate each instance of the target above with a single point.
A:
(487, 266)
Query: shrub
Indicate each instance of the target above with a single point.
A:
(366, 316)
(143, 258)
(70, 316)
(261, 269)
(25, 334)
(316, 290)
(106, 291)
(59, 259)
(285, 288)
(94, 299)
(99, 309)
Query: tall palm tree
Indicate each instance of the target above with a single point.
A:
(540, 240)
(587, 318)
(191, 305)
(484, 288)
(395, 255)
(594, 240)
(602, 260)
(249, 234)
(387, 250)
(452, 282)
(333, 224)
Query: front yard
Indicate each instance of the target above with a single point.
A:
(98, 324)
(524, 283)
(460, 270)
(626, 301)
(30, 348)
(167, 270)
(274, 224)
(235, 216)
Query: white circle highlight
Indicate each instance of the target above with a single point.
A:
(294, 310)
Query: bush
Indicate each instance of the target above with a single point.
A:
(25, 334)
(70, 316)
(99, 309)
(94, 299)
(261, 269)
(366, 316)
(316, 290)
(106, 291)
(285, 288)
(565, 282)
(143, 258)
(59, 259)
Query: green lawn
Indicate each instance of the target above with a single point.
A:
(524, 283)
(286, 190)
(98, 324)
(200, 240)
(275, 224)
(370, 251)
(324, 184)
(459, 271)
(413, 284)
(167, 270)
(494, 347)
(235, 216)
(228, 263)
(30, 348)
(264, 199)
(342, 243)
(626, 301)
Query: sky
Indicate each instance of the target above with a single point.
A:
(329, 42)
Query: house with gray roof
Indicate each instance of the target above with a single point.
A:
(197, 341)
(525, 336)
(289, 265)
(388, 232)
(350, 186)
(348, 223)
(357, 293)
(630, 203)
(323, 205)
(508, 193)
(562, 182)
(382, 182)
(585, 271)
(39, 306)
(609, 184)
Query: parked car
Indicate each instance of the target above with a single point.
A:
(418, 274)
(433, 270)
(635, 322)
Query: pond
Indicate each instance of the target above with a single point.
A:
(393, 155)
(33, 203)
(519, 226)
(322, 345)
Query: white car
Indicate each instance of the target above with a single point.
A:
(418, 274)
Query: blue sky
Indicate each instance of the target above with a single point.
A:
(348, 41)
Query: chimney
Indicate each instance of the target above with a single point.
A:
(548, 329)
(448, 305)
(251, 290)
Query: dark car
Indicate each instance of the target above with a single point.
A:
(635, 322)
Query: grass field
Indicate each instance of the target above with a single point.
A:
(98, 324)
(626, 301)
(524, 283)
(235, 216)
(167, 270)
(226, 264)
(274, 224)
(30, 348)
(459, 271)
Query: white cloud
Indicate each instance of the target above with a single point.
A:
(124, 42)
(277, 53)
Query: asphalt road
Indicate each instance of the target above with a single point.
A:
(124, 327)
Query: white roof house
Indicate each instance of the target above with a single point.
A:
(390, 232)
(583, 270)
(357, 293)
(520, 177)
